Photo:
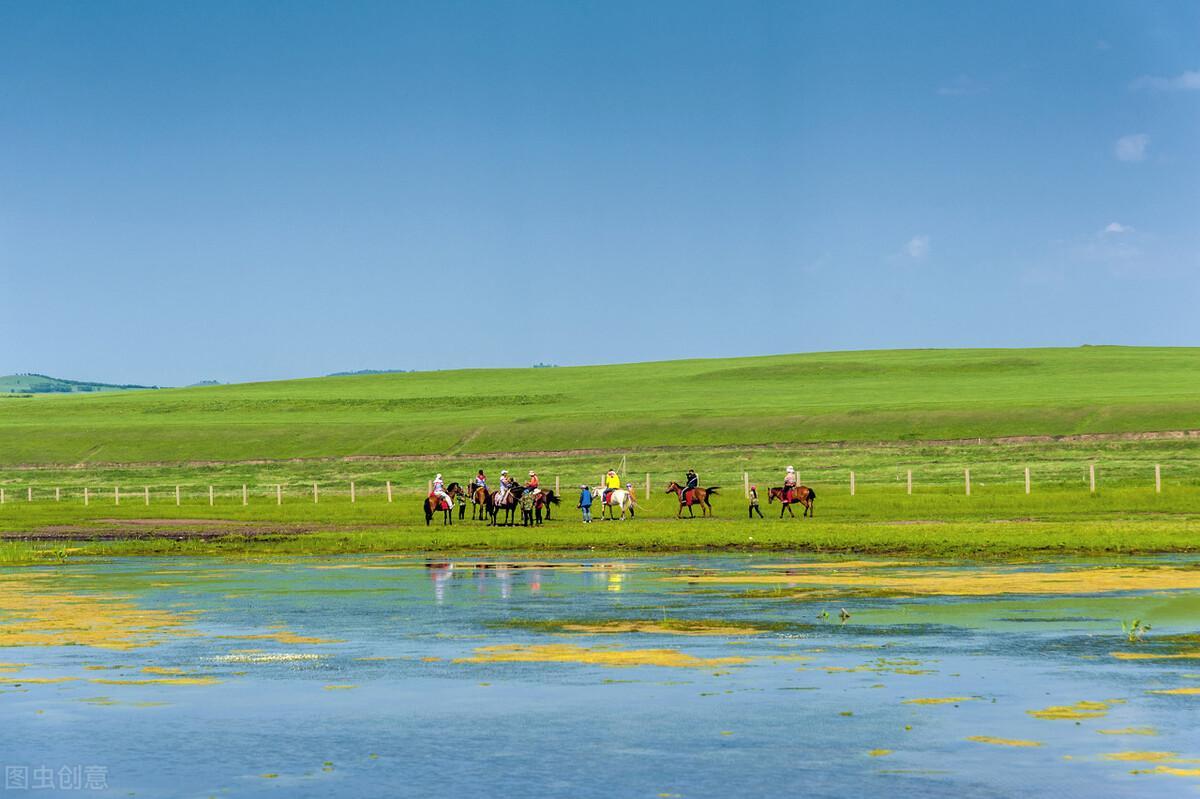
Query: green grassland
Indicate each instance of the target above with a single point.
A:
(851, 396)
(29, 384)
(878, 415)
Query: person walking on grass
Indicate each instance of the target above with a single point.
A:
(754, 503)
(585, 503)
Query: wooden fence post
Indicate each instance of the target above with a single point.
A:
(29, 494)
(176, 496)
(1157, 479)
(910, 481)
(389, 489)
(315, 495)
(278, 494)
(647, 486)
(85, 495)
(557, 490)
(1, 496)
(1027, 486)
(967, 480)
(352, 495)
(57, 494)
(851, 483)
(210, 495)
(429, 490)
(146, 493)
(1092, 477)
(117, 495)
(245, 495)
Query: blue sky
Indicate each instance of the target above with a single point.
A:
(261, 190)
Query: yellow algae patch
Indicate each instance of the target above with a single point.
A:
(34, 613)
(660, 628)
(1079, 710)
(11, 668)
(1143, 757)
(984, 582)
(1168, 769)
(43, 680)
(339, 687)
(161, 670)
(620, 658)
(847, 564)
(938, 700)
(1191, 655)
(1193, 691)
(162, 681)
(1130, 731)
(879, 752)
(374, 659)
(987, 739)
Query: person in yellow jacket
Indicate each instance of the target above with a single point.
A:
(611, 483)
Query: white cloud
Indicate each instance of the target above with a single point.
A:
(917, 247)
(961, 86)
(1132, 147)
(1189, 80)
(1117, 227)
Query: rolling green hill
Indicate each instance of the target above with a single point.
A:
(44, 384)
(821, 397)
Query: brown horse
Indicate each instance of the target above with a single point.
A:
(692, 496)
(480, 499)
(543, 500)
(509, 506)
(802, 494)
(435, 503)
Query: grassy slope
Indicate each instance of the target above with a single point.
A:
(24, 384)
(853, 396)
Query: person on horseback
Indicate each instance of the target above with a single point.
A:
(693, 481)
(789, 483)
(532, 485)
(506, 484)
(439, 490)
(480, 480)
(611, 483)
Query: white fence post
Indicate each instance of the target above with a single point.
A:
(57, 494)
(910, 481)
(315, 495)
(352, 491)
(647, 486)
(211, 499)
(967, 480)
(1157, 479)
(146, 493)
(117, 495)
(851, 483)
(557, 490)
(245, 495)
(85, 495)
(176, 496)
(1, 496)
(1027, 486)
(1092, 477)
(746, 484)
(29, 494)
(389, 489)
(278, 494)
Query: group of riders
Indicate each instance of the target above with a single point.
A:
(611, 493)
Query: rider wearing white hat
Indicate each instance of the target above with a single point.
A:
(439, 490)
(505, 484)
(789, 481)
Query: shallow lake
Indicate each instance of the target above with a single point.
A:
(600, 676)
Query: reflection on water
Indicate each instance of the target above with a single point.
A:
(691, 677)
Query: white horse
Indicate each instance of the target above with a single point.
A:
(619, 497)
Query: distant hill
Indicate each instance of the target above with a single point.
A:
(369, 372)
(205, 383)
(33, 383)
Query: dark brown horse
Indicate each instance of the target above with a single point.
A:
(802, 494)
(692, 496)
(509, 505)
(543, 500)
(435, 503)
(480, 500)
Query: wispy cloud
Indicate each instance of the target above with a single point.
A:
(1117, 228)
(1185, 81)
(917, 247)
(1132, 147)
(961, 86)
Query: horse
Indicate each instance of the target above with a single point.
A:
(433, 503)
(509, 506)
(619, 497)
(480, 499)
(802, 494)
(692, 496)
(544, 500)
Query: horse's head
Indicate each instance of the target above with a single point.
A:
(673, 487)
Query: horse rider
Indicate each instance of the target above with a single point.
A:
(789, 483)
(439, 490)
(532, 485)
(693, 481)
(611, 483)
(480, 480)
(506, 485)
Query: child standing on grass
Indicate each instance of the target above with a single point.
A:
(585, 503)
(754, 503)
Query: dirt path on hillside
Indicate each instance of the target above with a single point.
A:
(1159, 435)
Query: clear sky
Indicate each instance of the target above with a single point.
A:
(260, 190)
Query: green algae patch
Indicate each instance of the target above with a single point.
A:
(988, 739)
(1079, 710)
(598, 656)
(938, 700)
(1130, 731)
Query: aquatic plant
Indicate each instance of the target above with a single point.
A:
(1135, 630)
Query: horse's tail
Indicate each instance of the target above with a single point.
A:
(711, 490)
(428, 512)
(552, 498)
(812, 494)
